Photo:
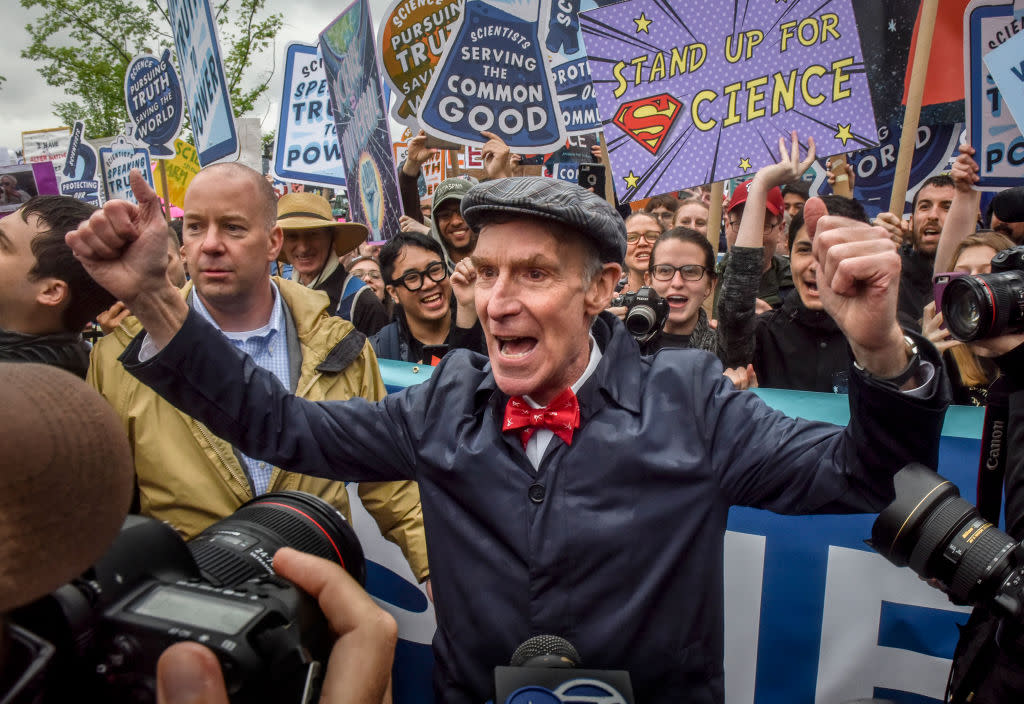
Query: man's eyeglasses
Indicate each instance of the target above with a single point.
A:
(651, 237)
(413, 280)
(689, 272)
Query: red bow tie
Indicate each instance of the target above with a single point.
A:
(560, 417)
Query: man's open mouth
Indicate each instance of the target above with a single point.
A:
(514, 347)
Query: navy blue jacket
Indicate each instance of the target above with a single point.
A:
(616, 542)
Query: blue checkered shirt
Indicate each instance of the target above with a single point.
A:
(268, 347)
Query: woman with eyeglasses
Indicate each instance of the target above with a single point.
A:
(435, 312)
(642, 231)
(367, 268)
(682, 271)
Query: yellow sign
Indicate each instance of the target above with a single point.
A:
(180, 171)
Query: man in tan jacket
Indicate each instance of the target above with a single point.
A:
(185, 474)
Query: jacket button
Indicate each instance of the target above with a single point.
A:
(537, 492)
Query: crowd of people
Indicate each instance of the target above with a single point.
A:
(551, 452)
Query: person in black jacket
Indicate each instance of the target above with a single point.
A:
(429, 319)
(313, 242)
(46, 297)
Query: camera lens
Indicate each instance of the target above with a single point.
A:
(984, 306)
(640, 320)
(242, 546)
(941, 536)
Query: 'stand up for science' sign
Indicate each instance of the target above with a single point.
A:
(693, 92)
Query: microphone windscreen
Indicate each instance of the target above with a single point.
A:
(544, 645)
(66, 483)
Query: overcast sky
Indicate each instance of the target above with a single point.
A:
(26, 101)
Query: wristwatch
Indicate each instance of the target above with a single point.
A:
(908, 372)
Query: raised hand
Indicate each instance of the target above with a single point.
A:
(463, 281)
(965, 170)
(419, 153)
(124, 246)
(858, 281)
(498, 158)
(790, 167)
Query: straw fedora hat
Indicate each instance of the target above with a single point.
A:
(308, 211)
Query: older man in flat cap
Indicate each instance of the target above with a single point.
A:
(569, 485)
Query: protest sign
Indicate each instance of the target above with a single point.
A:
(361, 119)
(180, 172)
(118, 160)
(990, 126)
(79, 173)
(306, 147)
(874, 168)
(202, 74)
(155, 103)
(1006, 64)
(566, 171)
(494, 76)
(691, 102)
(46, 145)
(20, 182)
(412, 38)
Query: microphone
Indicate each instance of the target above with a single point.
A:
(544, 670)
(545, 651)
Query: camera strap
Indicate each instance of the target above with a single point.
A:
(992, 462)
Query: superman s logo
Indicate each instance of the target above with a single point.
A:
(648, 120)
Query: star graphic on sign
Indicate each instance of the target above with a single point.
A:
(631, 180)
(843, 133)
(745, 165)
(892, 25)
(642, 23)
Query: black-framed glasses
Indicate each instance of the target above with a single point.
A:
(689, 272)
(413, 280)
(651, 236)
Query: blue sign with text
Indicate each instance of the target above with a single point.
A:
(307, 148)
(202, 73)
(155, 103)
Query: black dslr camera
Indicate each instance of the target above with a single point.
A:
(987, 305)
(151, 590)
(941, 536)
(646, 314)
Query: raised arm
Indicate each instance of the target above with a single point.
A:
(124, 248)
(962, 219)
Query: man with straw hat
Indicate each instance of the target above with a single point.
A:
(313, 242)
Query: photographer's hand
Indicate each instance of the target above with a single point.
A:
(360, 664)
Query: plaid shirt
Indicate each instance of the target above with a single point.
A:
(268, 347)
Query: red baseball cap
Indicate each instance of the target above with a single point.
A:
(773, 202)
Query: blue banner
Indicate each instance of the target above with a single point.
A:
(155, 103)
(202, 73)
(811, 613)
(876, 168)
(306, 146)
(361, 119)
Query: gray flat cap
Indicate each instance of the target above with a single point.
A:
(549, 199)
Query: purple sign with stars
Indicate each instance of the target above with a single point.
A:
(693, 92)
